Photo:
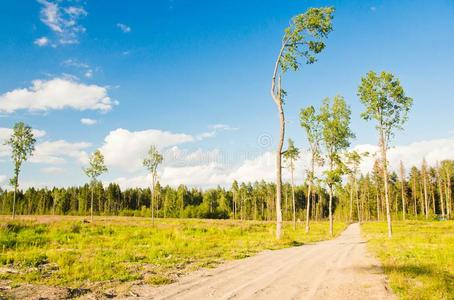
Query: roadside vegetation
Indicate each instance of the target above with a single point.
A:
(68, 252)
(418, 260)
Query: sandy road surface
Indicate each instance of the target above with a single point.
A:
(336, 269)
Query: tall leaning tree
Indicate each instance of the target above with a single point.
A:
(22, 143)
(310, 121)
(386, 103)
(291, 155)
(96, 167)
(151, 162)
(335, 120)
(302, 40)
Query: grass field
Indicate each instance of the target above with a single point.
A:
(65, 251)
(419, 259)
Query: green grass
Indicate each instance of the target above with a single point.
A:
(419, 259)
(67, 252)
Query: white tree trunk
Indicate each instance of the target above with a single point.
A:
(308, 206)
(91, 202)
(14, 201)
(152, 198)
(293, 199)
(331, 225)
(385, 179)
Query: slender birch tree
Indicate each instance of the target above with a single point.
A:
(448, 168)
(22, 143)
(151, 162)
(310, 121)
(303, 39)
(353, 161)
(440, 190)
(386, 103)
(96, 167)
(424, 184)
(335, 120)
(291, 155)
(402, 189)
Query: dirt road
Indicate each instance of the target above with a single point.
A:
(336, 269)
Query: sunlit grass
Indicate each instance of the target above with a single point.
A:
(419, 259)
(69, 252)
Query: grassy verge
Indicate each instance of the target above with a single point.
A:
(419, 259)
(68, 252)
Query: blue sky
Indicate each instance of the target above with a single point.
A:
(172, 72)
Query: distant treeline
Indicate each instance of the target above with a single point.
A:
(425, 192)
(242, 201)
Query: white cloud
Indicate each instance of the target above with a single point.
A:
(57, 93)
(205, 175)
(2, 179)
(223, 127)
(214, 131)
(126, 149)
(124, 28)
(206, 135)
(89, 73)
(412, 154)
(75, 63)
(42, 41)
(57, 152)
(85, 68)
(177, 157)
(52, 170)
(63, 21)
(211, 168)
(88, 122)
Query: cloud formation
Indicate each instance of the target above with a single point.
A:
(126, 149)
(63, 21)
(56, 94)
(86, 69)
(411, 155)
(88, 122)
(215, 129)
(42, 41)
(52, 170)
(211, 168)
(58, 152)
(124, 28)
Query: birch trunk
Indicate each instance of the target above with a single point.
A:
(152, 199)
(351, 202)
(91, 203)
(440, 192)
(331, 210)
(14, 201)
(293, 198)
(426, 201)
(383, 143)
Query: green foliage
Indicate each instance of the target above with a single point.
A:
(305, 37)
(96, 165)
(311, 123)
(353, 161)
(22, 143)
(291, 154)
(419, 259)
(153, 160)
(118, 249)
(335, 120)
(384, 100)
